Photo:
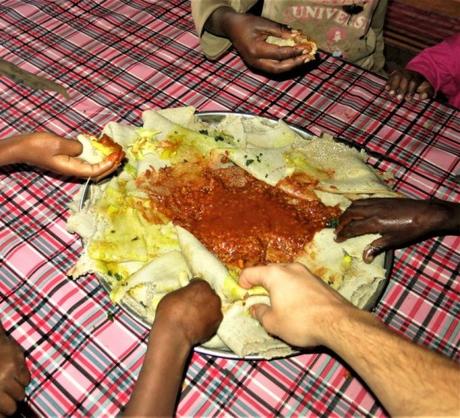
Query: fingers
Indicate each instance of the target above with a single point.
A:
(23, 375)
(402, 88)
(15, 390)
(278, 67)
(407, 84)
(7, 404)
(279, 53)
(358, 227)
(393, 83)
(253, 276)
(72, 166)
(425, 90)
(411, 88)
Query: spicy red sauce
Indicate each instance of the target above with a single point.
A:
(242, 220)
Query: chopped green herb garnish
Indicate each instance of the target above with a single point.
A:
(118, 276)
(135, 239)
(219, 138)
(110, 316)
(249, 162)
(203, 131)
(332, 223)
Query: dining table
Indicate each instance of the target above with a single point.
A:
(118, 58)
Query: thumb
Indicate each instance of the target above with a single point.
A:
(375, 248)
(70, 147)
(263, 313)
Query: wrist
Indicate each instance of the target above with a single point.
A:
(10, 150)
(446, 217)
(172, 338)
(337, 323)
(220, 21)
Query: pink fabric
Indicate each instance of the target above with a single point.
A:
(440, 65)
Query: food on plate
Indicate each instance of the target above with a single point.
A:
(206, 199)
(297, 39)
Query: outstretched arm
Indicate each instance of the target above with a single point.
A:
(52, 152)
(399, 221)
(408, 379)
(183, 319)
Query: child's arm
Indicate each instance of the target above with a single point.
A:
(51, 152)
(183, 319)
(14, 376)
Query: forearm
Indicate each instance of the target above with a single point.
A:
(408, 379)
(453, 221)
(446, 217)
(9, 150)
(160, 379)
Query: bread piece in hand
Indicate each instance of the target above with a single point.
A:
(96, 150)
(297, 39)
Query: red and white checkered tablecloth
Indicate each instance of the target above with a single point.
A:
(120, 57)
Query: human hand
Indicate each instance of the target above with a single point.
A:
(14, 376)
(399, 221)
(57, 154)
(406, 84)
(302, 308)
(248, 34)
(194, 312)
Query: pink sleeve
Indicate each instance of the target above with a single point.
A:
(440, 65)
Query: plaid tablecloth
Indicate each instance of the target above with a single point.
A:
(118, 58)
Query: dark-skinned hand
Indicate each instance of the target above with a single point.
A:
(399, 221)
(407, 84)
(14, 376)
(193, 311)
(248, 34)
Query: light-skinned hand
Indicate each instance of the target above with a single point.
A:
(302, 305)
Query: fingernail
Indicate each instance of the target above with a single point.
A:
(392, 92)
(423, 96)
(399, 96)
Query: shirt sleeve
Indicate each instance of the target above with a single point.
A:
(440, 66)
(214, 46)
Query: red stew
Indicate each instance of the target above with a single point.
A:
(242, 220)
